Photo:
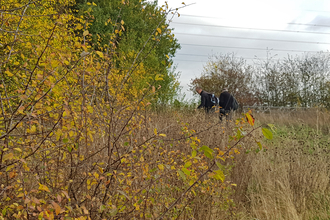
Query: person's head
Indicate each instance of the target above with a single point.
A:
(225, 90)
(199, 90)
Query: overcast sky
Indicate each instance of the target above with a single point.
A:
(247, 28)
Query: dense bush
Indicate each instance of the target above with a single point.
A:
(77, 137)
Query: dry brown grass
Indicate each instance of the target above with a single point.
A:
(288, 180)
(316, 118)
(291, 179)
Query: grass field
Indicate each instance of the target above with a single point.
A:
(160, 171)
(290, 179)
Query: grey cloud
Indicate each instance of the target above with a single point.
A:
(194, 68)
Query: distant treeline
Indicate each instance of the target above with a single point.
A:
(299, 81)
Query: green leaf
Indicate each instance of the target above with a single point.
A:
(267, 133)
(65, 140)
(186, 171)
(4, 211)
(152, 170)
(188, 164)
(208, 152)
(122, 208)
(126, 144)
(182, 175)
(272, 127)
(219, 175)
(220, 165)
(239, 134)
(194, 153)
(260, 146)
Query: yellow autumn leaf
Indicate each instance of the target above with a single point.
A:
(20, 110)
(159, 30)
(33, 129)
(20, 195)
(26, 168)
(162, 135)
(161, 166)
(8, 157)
(57, 208)
(90, 109)
(100, 54)
(158, 77)
(86, 33)
(155, 131)
(9, 73)
(43, 188)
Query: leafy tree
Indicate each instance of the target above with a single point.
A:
(295, 81)
(76, 139)
(139, 32)
(228, 71)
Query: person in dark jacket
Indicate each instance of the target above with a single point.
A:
(205, 100)
(226, 101)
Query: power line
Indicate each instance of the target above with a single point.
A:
(202, 55)
(251, 48)
(319, 11)
(247, 28)
(200, 61)
(246, 58)
(248, 38)
(290, 23)
(197, 55)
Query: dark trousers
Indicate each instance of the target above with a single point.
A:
(226, 113)
(209, 110)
